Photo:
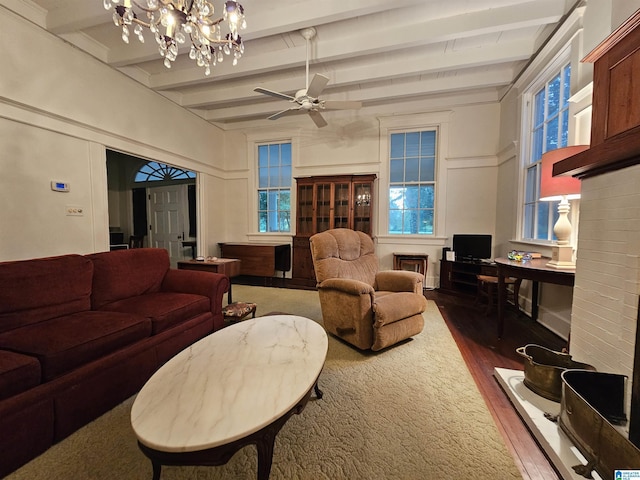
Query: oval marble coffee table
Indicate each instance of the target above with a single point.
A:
(233, 388)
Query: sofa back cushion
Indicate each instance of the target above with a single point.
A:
(35, 290)
(127, 273)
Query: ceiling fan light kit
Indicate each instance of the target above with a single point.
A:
(306, 99)
(174, 23)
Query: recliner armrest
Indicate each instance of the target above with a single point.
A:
(347, 285)
(399, 281)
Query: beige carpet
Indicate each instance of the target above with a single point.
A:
(410, 412)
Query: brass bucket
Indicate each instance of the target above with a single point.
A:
(543, 367)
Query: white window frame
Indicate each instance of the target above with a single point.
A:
(440, 121)
(253, 141)
(562, 59)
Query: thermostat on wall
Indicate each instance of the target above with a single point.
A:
(59, 186)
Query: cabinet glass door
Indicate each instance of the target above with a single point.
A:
(323, 207)
(341, 206)
(362, 207)
(305, 209)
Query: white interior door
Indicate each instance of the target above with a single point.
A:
(168, 211)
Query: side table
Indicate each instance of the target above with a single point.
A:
(415, 262)
(226, 266)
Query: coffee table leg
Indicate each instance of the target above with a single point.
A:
(265, 456)
(319, 392)
(157, 470)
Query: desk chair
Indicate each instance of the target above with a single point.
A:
(488, 288)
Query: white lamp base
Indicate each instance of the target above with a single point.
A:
(562, 257)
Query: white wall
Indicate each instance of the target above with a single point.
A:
(350, 144)
(59, 108)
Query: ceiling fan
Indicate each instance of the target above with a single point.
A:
(306, 100)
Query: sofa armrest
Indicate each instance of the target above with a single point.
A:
(399, 281)
(346, 285)
(208, 284)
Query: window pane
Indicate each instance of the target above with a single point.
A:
(262, 221)
(410, 222)
(397, 145)
(274, 154)
(552, 135)
(285, 154)
(426, 196)
(396, 198)
(543, 221)
(263, 156)
(426, 222)
(262, 200)
(412, 143)
(428, 144)
(263, 177)
(564, 138)
(529, 220)
(395, 221)
(427, 169)
(411, 172)
(537, 142)
(553, 103)
(411, 197)
(396, 172)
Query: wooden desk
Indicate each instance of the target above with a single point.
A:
(260, 259)
(226, 266)
(535, 270)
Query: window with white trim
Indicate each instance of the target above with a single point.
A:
(274, 187)
(412, 185)
(548, 130)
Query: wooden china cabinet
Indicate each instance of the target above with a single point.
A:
(323, 203)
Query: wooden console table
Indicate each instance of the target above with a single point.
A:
(259, 259)
(226, 266)
(535, 270)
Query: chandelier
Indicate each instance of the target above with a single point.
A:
(174, 23)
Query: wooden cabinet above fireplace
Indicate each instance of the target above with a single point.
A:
(615, 122)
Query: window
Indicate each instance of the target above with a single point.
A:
(154, 172)
(274, 187)
(549, 129)
(412, 182)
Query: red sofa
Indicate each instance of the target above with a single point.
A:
(80, 334)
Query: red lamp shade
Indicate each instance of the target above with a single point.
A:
(554, 188)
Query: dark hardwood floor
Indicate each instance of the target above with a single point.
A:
(475, 335)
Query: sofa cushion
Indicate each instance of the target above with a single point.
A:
(64, 343)
(164, 309)
(43, 288)
(127, 273)
(18, 373)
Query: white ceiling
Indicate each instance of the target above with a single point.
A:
(380, 52)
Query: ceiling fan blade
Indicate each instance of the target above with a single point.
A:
(340, 105)
(318, 82)
(288, 111)
(318, 119)
(273, 94)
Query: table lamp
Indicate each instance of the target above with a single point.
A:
(563, 189)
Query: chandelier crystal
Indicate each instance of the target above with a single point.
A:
(174, 23)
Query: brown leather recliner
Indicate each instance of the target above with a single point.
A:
(368, 308)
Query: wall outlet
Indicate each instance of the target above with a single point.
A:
(74, 211)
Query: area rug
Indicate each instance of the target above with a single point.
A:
(412, 411)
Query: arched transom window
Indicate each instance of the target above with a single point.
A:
(154, 171)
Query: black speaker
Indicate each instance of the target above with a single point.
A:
(444, 252)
